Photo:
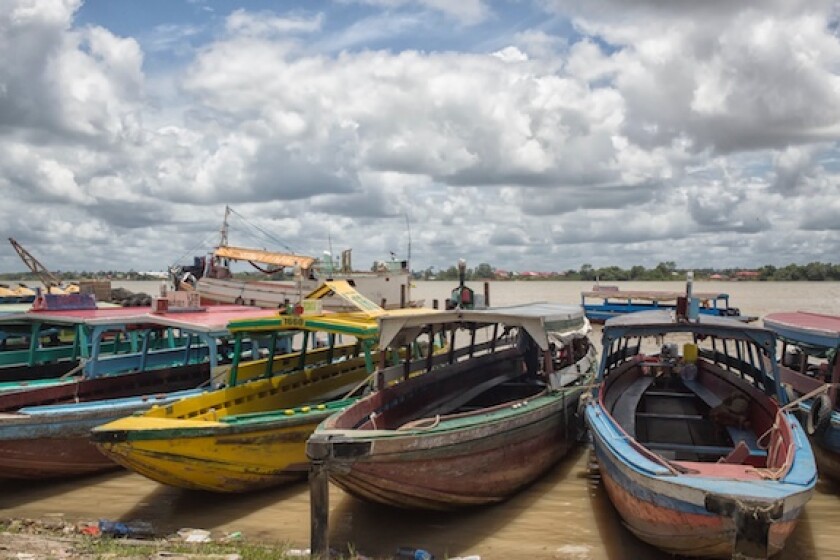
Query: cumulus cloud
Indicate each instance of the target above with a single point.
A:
(465, 11)
(656, 131)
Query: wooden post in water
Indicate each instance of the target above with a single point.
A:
(487, 294)
(402, 296)
(319, 500)
(434, 304)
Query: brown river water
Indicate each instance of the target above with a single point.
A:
(564, 515)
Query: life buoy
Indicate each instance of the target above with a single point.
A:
(819, 417)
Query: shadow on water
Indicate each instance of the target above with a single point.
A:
(515, 528)
(15, 492)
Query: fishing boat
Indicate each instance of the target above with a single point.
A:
(695, 445)
(479, 423)
(44, 431)
(252, 435)
(811, 369)
(388, 283)
(603, 302)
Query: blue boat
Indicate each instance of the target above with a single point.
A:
(694, 449)
(811, 369)
(610, 301)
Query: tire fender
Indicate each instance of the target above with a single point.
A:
(819, 417)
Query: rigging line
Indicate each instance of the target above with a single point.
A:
(266, 233)
(200, 246)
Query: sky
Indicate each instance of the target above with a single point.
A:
(528, 134)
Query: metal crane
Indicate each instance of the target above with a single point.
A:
(49, 279)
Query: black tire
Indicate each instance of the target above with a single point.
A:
(819, 417)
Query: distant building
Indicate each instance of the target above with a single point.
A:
(747, 275)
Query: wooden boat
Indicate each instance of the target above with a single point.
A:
(44, 431)
(694, 449)
(388, 283)
(612, 302)
(253, 435)
(39, 348)
(810, 367)
(53, 346)
(481, 422)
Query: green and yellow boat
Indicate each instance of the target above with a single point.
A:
(253, 434)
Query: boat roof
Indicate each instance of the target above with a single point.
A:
(210, 319)
(354, 323)
(536, 318)
(650, 295)
(659, 322)
(814, 329)
(15, 308)
(262, 256)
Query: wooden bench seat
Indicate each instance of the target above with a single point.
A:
(717, 450)
(713, 400)
(624, 411)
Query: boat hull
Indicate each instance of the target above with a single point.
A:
(43, 458)
(661, 513)
(825, 443)
(238, 439)
(482, 461)
(224, 460)
(44, 433)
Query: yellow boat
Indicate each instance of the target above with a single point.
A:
(252, 435)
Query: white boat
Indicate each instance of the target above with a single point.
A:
(388, 284)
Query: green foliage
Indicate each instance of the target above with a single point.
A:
(813, 272)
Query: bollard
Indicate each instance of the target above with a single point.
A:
(319, 499)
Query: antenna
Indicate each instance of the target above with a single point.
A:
(408, 228)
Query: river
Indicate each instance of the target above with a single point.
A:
(564, 515)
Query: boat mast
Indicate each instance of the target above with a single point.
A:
(223, 233)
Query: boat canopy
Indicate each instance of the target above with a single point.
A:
(803, 328)
(543, 321)
(642, 295)
(659, 322)
(265, 257)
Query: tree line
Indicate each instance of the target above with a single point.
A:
(664, 271)
(814, 272)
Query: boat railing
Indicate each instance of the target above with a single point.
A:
(393, 373)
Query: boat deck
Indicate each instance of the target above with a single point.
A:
(670, 416)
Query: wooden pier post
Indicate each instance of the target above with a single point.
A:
(319, 500)
(402, 296)
(434, 304)
(487, 294)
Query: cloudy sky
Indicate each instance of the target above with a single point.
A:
(529, 134)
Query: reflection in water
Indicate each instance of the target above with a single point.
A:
(564, 515)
